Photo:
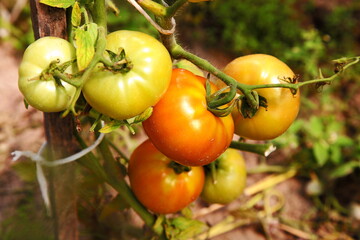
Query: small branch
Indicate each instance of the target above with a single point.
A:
(269, 182)
(261, 149)
(98, 57)
(228, 224)
(99, 13)
(172, 10)
(296, 232)
(264, 168)
(156, 8)
(72, 81)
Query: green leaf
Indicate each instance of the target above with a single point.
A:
(85, 46)
(182, 228)
(344, 141)
(335, 154)
(111, 126)
(144, 115)
(58, 3)
(92, 30)
(321, 152)
(316, 127)
(344, 169)
(76, 15)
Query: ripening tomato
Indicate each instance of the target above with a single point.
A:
(283, 105)
(39, 89)
(157, 185)
(227, 181)
(183, 128)
(123, 95)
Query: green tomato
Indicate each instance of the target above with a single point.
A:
(40, 90)
(123, 95)
(227, 181)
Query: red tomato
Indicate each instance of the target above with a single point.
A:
(156, 184)
(181, 126)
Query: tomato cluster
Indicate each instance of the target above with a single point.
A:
(187, 154)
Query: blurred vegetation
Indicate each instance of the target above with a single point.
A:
(325, 140)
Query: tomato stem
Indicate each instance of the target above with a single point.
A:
(172, 10)
(98, 56)
(99, 13)
(113, 176)
(178, 168)
(178, 52)
(72, 81)
(261, 149)
(156, 8)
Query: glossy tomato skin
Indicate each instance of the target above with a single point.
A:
(182, 128)
(125, 95)
(230, 178)
(283, 106)
(157, 186)
(46, 95)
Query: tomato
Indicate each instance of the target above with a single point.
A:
(228, 180)
(283, 105)
(185, 64)
(122, 95)
(41, 90)
(182, 128)
(157, 186)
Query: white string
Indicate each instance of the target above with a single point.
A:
(36, 157)
(40, 161)
(152, 22)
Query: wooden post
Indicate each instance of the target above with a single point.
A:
(49, 21)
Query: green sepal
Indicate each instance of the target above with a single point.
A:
(246, 110)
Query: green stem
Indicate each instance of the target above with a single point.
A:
(122, 155)
(156, 8)
(178, 52)
(172, 10)
(99, 13)
(117, 181)
(72, 81)
(261, 149)
(113, 176)
(98, 56)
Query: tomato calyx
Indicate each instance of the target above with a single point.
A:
(56, 72)
(216, 102)
(245, 108)
(118, 63)
(114, 124)
(179, 168)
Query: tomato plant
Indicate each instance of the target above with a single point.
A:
(157, 184)
(126, 93)
(225, 178)
(181, 126)
(39, 88)
(283, 105)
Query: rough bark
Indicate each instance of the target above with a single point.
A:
(49, 21)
